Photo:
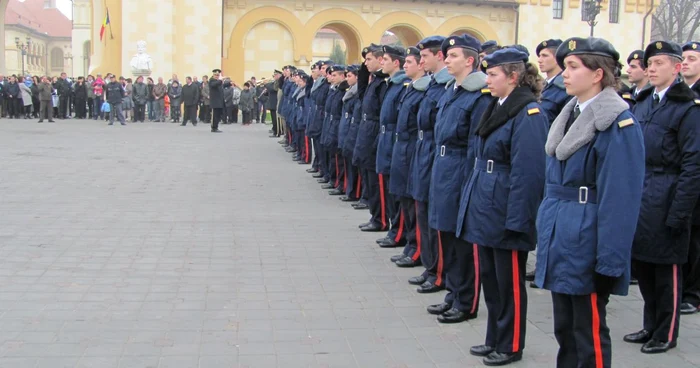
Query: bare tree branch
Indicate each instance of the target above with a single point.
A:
(676, 20)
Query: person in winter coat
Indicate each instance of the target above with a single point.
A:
(127, 101)
(347, 135)
(190, 98)
(459, 112)
(81, 96)
(26, 96)
(14, 98)
(46, 100)
(246, 103)
(140, 98)
(35, 96)
(406, 137)
(98, 90)
(90, 95)
(175, 95)
(593, 189)
(270, 92)
(115, 95)
(498, 205)
(668, 114)
(160, 90)
(216, 99)
(205, 107)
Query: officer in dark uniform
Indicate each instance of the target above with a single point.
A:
(285, 109)
(334, 104)
(297, 113)
(392, 65)
(347, 136)
(690, 70)
(319, 92)
(488, 48)
(216, 99)
(372, 88)
(459, 112)
(593, 188)
(311, 107)
(431, 255)
(499, 204)
(554, 95)
(406, 136)
(669, 117)
(637, 75)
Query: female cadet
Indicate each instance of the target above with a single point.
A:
(499, 203)
(593, 191)
(347, 134)
(339, 87)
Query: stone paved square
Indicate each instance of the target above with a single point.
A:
(155, 245)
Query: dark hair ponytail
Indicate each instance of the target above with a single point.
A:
(528, 76)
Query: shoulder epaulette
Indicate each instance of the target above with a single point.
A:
(485, 91)
(697, 102)
(626, 122)
(627, 96)
(533, 111)
(406, 84)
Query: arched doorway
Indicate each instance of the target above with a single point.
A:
(406, 35)
(86, 57)
(266, 48)
(336, 41)
(462, 31)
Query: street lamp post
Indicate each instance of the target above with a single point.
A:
(24, 49)
(592, 9)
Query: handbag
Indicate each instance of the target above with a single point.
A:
(106, 107)
(54, 100)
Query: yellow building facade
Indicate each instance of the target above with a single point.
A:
(246, 38)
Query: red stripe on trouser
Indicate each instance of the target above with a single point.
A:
(400, 232)
(516, 300)
(417, 254)
(675, 303)
(345, 178)
(381, 200)
(337, 171)
(359, 185)
(306, 144)
(440, 264)
(596, 331)
(477, 281)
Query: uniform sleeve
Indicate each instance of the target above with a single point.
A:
(619, 181)
(687, 189)
(553, 102)
(527, 164)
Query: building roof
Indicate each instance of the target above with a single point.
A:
(31, 14)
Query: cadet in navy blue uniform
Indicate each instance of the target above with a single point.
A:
(406, 136)
(319, 92)
(347, 135)
(372, 86)
(488, 48)
(554, 95)
(299, 114)
(459, 112)
(433, 278)
(499, 204)
(690, 70)
(311, 111)
(335, 161)
(637, 75)
(291, 116)
(669, 117)
(328, 105)
(593, 188)
(392, 65)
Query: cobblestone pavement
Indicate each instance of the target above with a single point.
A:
(154, 245)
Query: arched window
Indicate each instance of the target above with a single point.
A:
(614, 11)
(558, 9)
(56, 58)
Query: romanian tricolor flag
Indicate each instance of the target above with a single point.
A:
(105, 23)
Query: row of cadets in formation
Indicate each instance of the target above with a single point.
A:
(468, 159)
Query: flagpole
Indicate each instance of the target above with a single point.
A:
(111, 36)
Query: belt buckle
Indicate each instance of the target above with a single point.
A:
(420, 135)
(383, 129)
(583, 195)
(442, 150)
(489, 166)
(364, 116)
(396, 135)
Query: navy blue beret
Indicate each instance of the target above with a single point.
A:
(413, 51)
(636, 55)
(551, 43)
(520, 47)
(395, 51)
(503, 56)
(276, 71)
(353, 68)
(692, 46)
(464, 41)
(662, 48)
(337, 68)
(488, 45)
(586, 46)
(430, 42)
(371, 48)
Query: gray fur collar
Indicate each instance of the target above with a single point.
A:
(350, 93)
(301, 94)
(599, 115)
(422, 83)
(317, 83)
(398, 77)
(473, 82)
(443, 77)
